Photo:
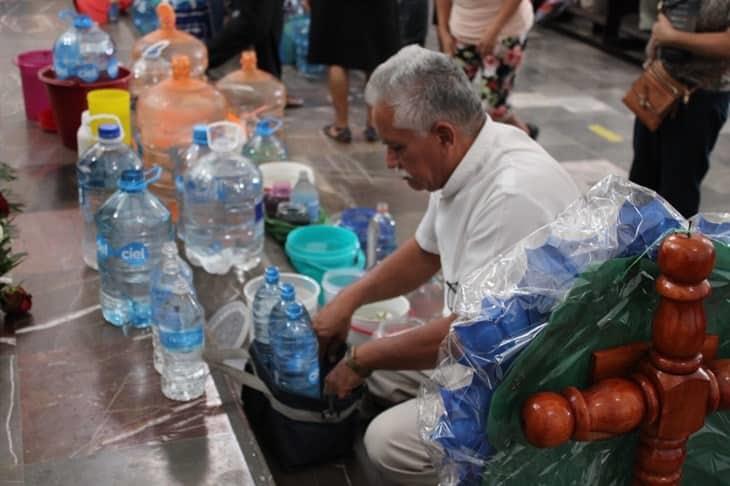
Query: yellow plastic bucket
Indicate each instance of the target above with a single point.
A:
(111, 101)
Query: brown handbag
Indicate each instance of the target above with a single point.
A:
(654, 95)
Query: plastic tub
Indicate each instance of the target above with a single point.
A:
(307, 290)
(35, 95)
(367, 319)
(284, 172)
(68, 99)
(111, 101)
(315, 249)
(333, 281)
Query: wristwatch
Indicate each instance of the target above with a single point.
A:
(351, 362)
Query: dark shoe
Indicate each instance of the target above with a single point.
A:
(371, 135)
(533, 131)
(341, 135)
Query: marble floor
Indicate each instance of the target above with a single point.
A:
(79, 401)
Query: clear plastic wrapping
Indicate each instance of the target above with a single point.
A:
(528, 322)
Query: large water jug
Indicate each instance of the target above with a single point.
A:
(295, 351)
(144, 16)
(181, 43)
(264, 146)
(132, 225)
(180, 318)
(184, 161)
(166, 115)
(149, 70)
(223, 216)
(84, 51)
(160, 282)
(253, 92)
(266, 297)
(98, 172)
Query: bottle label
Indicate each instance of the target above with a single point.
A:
(134, 254)
(181, 340)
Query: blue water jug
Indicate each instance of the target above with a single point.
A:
(296, 356)
(223, 208)
(132, 225)
(267, 296)
(98, 172)
(84, 51)
(144, 16)
(264, 146)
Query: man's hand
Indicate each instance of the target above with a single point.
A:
(663, 33)
(332, 324)
(488, 43)
(341, 380)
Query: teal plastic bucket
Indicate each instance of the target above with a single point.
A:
(313, 250)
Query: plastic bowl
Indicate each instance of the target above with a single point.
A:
(284, 172)
(333, 281)
(366, 320)
(393, 327)
(307, 289)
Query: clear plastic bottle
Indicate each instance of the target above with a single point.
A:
(264, 146)
(160, 282)
(253, 92)
(301, 41)
(295, 351)
(132, 225)
(306, 195)
(181, 322)
(144, 16)
(166, 115)
(381, 235)
(187, 159)
(223, 218)
(98, 172)
(149, 70)
(265, 299)
(181, 43)
(84, 51)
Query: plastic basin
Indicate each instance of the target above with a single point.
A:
(307, 290)
(333, 281)
(315, 249)
(35, 95)
(367, 319)
(284, 172)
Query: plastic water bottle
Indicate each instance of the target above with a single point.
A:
(306, 195)
(381, 235)
(189, 157)
(264, 146)
(144, 16)
(181, 322)
(98, 172)
(301, 40)
(277, 317)
(264, 301)
(223, 208)
(132, 225)
(296, 358)
(84, 51)
(159, 290)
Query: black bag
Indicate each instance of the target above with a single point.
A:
(299, 430)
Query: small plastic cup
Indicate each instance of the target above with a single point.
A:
(111, 101)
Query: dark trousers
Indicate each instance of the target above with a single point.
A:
(674, 159)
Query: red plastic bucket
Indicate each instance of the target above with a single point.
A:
(68, 99)
(35, 95)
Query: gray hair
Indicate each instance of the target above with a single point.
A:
(423, 87)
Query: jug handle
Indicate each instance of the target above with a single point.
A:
(155, 49)
(152, 175)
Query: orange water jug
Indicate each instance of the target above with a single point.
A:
(253, 92)
(166, 115)
(180, 43)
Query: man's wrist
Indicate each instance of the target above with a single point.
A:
(352, 362)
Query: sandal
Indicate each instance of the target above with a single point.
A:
(371, 135)
(533, 130)
(341, 135)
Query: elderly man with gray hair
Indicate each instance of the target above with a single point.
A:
(490, 185)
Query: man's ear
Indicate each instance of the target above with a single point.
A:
(445, 132)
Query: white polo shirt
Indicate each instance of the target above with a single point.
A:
(504, 188)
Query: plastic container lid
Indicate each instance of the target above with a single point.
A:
(200, 134)
(109, 131)
(230, 325)
(131, 180)
(83, 22)
(294, 310)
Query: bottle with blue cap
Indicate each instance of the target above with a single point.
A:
(265, 146)
(97, 173)
(264, 301)
(277, 317)
(132, 225)
(184, 161)
(84, 51)
(295, 351)
(223, 206)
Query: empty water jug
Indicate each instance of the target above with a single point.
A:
(264, 146)
(84, 51)
(149, 70)
(253, 92)
(223, 218)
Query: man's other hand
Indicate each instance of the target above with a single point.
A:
(341, 380)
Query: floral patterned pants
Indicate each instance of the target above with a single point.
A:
(494, 75)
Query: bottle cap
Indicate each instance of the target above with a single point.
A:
(83, 22)
(131, 180)
(271, 275)
(109, 131)
(294, 310)
(248, 60)
(200, 134)
(287, 292)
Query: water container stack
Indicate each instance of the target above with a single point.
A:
(98, 172)
(84, 51)
(132, 225)
(295, 352)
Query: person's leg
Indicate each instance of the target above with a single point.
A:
(646, 165)
(686, 141)
(499, 77)
(395, 447)
(339, 87)
(395, 386)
